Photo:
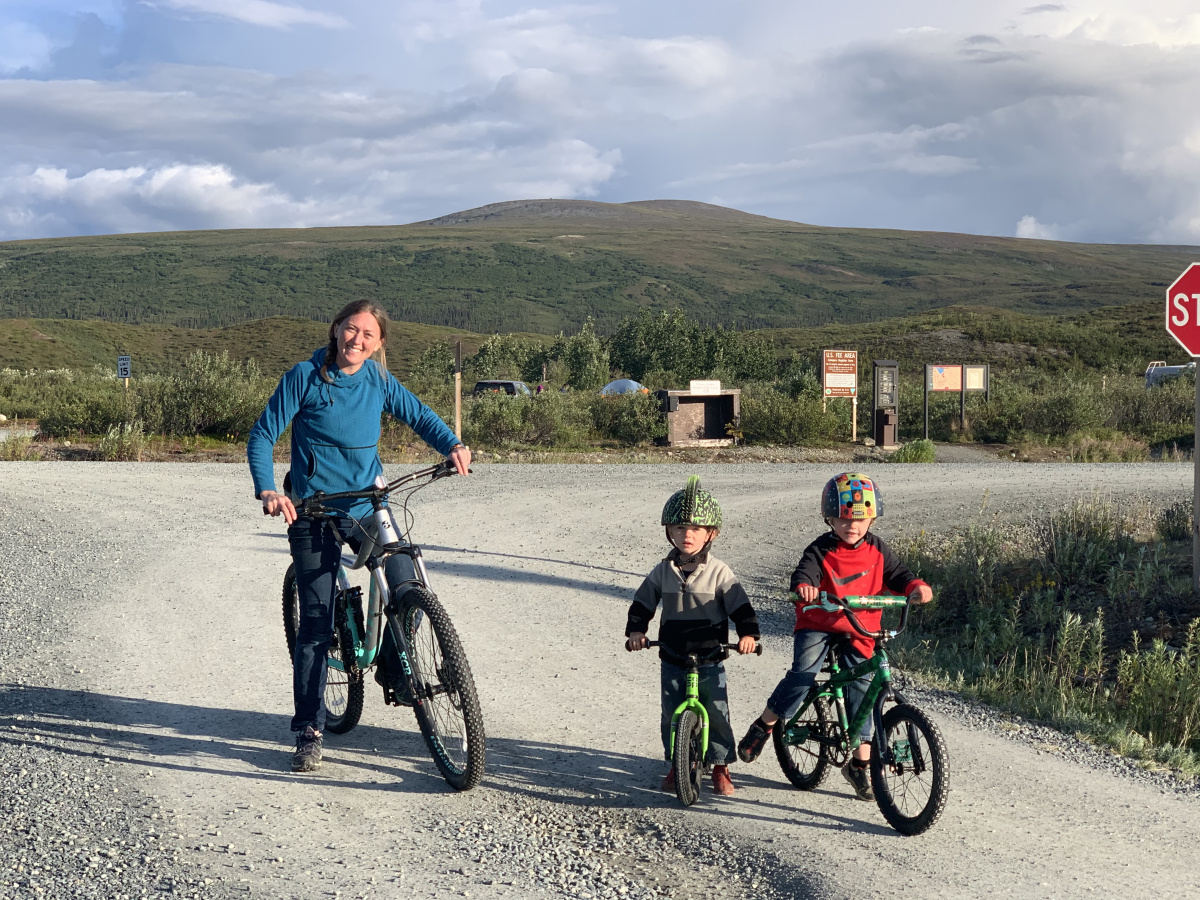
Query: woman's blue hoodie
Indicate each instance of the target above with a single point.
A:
(335, 429)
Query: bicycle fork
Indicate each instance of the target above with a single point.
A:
(693, 703)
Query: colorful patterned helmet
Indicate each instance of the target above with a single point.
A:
(692, 506)
(851, 495)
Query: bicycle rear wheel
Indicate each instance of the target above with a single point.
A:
(344, 688)
(910, 791)
(445, 702)
(689, 761)
(803, 758)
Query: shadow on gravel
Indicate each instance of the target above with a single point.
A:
(499, 573)
(242, 744)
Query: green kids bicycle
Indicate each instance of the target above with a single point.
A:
(689, 727)
(908, 757)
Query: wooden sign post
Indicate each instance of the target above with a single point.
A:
(458, 389)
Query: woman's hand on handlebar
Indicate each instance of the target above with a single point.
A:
(461, 457)
(920, 594)
(275, 503)
(636, 641)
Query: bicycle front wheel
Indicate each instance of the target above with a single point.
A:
(911, 790)
(446, 705)
(803, 758)
(689, 759)
(344, 688)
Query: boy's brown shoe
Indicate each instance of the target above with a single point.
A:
(722, 784)
(752, 744)
(668, 782)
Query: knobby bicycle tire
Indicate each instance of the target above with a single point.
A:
(689, 767)
(448, 713)
(804, 764)
(911, 792)
(344, 688)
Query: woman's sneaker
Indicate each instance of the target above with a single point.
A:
(307, 757)
(752, 744)
(859, 779)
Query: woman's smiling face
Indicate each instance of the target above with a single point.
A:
(358, 337)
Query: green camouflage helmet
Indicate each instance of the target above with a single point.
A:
(692, 506)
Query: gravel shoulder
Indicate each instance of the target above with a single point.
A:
(141, 648)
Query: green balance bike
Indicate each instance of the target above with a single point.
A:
(689, 727)
(908, 756)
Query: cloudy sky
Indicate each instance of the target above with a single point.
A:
(1075, 120)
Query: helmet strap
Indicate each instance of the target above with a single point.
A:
(698, 557)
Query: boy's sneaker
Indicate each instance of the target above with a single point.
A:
(752, 744)
(307, 757)
(668, 782)
(722, 784)
(860, 780)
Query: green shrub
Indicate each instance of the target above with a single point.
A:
(18, 448)
(921, 451)
(632, 419)
(771, 417)
(210, 394)
(123, 443)
(1023, 617)
(549, 419)
(1175, 521)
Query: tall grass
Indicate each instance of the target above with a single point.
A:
(1074, 618)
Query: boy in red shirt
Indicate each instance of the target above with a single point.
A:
(847, 561)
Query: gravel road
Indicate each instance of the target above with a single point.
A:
(145, 695)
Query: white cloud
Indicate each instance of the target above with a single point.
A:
(141, 199)
(922, 115)
(254, 12)
(1030, 227)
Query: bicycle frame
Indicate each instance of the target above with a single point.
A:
(878, 667)
(878, 690)
(380, 540)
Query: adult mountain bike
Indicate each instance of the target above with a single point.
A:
(908, 755)
(689, 726)
(436, 676)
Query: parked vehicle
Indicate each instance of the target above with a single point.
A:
(1158, 372)
(512, 388)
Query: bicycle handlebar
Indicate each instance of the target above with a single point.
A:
(833, 603)
(315, 504)
(758, 647)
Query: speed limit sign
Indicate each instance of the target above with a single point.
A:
(123, 367)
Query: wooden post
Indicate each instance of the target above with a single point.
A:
(962, 401)
(926, 386)
(458, 389)
(854, 419)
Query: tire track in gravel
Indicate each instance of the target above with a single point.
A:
(177, 664)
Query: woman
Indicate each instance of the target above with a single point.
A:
(333, 403)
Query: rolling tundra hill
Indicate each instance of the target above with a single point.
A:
(547, 265)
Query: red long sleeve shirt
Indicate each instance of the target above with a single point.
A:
(869, 567)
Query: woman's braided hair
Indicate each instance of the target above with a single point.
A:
(353, 309)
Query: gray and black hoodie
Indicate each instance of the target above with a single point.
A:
(697, 607)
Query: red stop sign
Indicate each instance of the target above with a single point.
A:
(1183, 310)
